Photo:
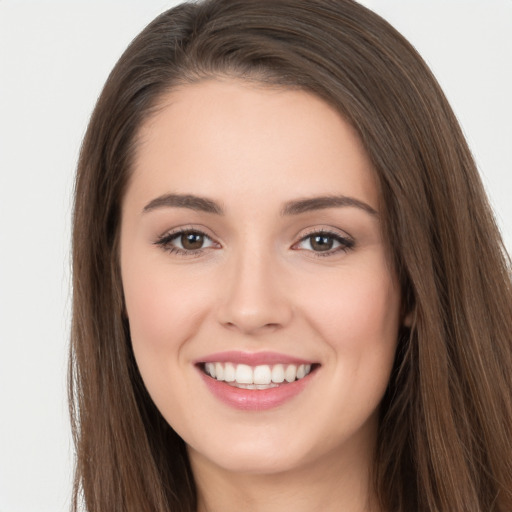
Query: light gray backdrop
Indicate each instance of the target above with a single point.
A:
(54, 58)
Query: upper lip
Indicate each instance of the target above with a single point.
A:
(252, 358)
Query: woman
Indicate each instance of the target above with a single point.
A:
(289, 290)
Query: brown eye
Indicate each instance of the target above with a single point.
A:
(322, 242)
(325, 242)
(186, 242)
(191, 241)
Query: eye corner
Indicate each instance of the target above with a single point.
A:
(324, 242)
(175, 241)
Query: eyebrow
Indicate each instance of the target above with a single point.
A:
(295, 207)
(200, 204)
(321, 203)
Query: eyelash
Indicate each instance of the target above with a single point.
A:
(165, 241)
(346, 243)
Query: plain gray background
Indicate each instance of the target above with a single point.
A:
(54, 58)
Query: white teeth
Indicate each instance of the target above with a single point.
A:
(219, 371)
(258, 377)
(278, 373)
(262, 374)
(243, 374)
(210, 369)
(255, 386)
(229, 372)
(290, 373)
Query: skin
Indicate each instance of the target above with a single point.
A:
(259, 285)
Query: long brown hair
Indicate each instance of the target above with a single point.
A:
(444, 440)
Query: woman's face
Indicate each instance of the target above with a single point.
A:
(263, 310)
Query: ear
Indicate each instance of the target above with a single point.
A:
(408, 314)
(408, 310)
(407, 321)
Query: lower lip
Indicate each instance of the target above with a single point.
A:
(255, 399)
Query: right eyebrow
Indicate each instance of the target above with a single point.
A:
(324, 202)
(197, 203)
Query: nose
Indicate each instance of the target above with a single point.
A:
(253, 299)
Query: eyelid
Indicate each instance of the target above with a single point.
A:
(164, 240)
(328, 230)
(196, 228)
(346, 241)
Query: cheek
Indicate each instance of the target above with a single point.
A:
(164, 308)
(357, 315)
(164, 312)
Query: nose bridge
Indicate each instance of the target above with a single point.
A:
(254, 297)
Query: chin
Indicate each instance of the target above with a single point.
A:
(256, 453)
(253, 462)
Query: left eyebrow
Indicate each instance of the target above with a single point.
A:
(200, 204)
(299, 206)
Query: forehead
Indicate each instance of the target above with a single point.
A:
(229, 138)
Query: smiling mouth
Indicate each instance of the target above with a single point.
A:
(259, 377)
